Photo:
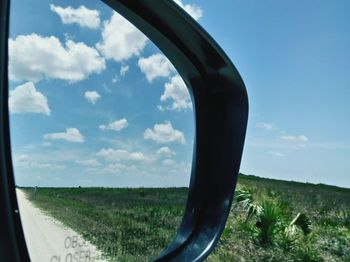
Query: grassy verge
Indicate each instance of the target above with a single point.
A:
(125, 224)
(136, 224)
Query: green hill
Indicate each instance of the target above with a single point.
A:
(271, 220)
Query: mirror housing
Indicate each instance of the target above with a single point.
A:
(221, 113)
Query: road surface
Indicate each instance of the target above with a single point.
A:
(49, 240)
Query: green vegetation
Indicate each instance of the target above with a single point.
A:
(125, 224)
(271, 220)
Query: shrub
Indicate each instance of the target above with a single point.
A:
(267, 222)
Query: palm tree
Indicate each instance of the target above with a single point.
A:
(267, 222)
(269, 218)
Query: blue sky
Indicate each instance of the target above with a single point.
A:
(92, 107)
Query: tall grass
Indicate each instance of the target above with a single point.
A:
(270, 220)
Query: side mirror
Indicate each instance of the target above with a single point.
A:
(221, 112)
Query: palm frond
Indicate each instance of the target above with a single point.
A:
(244, 197)
(302, 221)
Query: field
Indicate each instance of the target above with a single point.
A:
(271, 220)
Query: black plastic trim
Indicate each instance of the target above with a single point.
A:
(12, 243)
(221, 112)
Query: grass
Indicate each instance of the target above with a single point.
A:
(271, 220)
(293, 222)
(125, 224)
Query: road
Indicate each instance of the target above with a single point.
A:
(49, 240)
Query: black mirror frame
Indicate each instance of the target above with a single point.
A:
(221, 114)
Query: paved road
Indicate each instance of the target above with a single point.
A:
(49, 240)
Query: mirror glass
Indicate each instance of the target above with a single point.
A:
(102, 131)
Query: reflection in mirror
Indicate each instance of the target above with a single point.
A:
(102, 133)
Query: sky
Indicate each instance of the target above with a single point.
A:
(94, 103)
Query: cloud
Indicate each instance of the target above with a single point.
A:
(71, 135)
(82, 16)
(278, 154)
(176, 90)
(123, 70)
(20, 160)
(161, 108)
(193, 10)
(165, 152)
(24, 161)
(120, 39)
(50, 166)
(300, 138)
(88, 162)
(168, 162)
(155, 66)
(34, 57)
(267, 126)
(92, 96)
(115, 168)
(26, 99)
(164, 133)
(115, 126)
(112, 155)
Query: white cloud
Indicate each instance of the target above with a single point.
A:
(300, 138)
(165, 152)
(267, 126)
(88, 162)
(168, 162)
(161, 108)
(34, 57)
(120, 39)
(26, 99)
(92, 96)
(155, 66)
(123, 70)
(25, 161)
(164, 133)
(50, 166)
(115, 168)
(115, 126)
(193, 10)
(82, 16)
(278, 154)
(113, 155)
(176, 90)
(71, 135)
(20, 160)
